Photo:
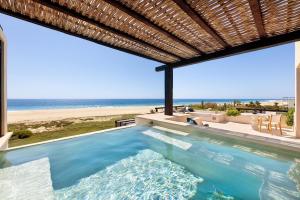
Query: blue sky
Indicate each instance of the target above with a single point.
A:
(43, 63)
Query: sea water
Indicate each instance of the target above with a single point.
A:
(40, 104)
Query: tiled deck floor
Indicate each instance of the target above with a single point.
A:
(287, 140)
(247, 128)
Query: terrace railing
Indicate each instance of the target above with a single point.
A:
(262, 109)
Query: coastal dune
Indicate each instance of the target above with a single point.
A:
(59, 114)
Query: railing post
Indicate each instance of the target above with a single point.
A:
(3, 99)
(169, 91)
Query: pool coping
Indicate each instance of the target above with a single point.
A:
(68, 137)
(163, 120)
(4, 141)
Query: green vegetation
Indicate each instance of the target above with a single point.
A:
(59, 129)
(290, 117)
(236, 103)
(21, 134)
(251, 104)
(211, 106)
(23, 126)
(258, 104)
(248, 107)
(233, 112)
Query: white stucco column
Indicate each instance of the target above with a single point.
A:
(297, 90)
(3, 99)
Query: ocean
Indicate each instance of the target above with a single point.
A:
(41, 104)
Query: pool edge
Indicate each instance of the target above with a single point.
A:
(69, 137)
(164, 121)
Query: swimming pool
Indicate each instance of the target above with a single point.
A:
(144, 162)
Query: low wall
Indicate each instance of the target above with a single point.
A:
(167, 122)
(210, 116)
(242, 119)
(221, 117)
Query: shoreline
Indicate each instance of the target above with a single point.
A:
(46, 104)
(90, 107)
(44, 115)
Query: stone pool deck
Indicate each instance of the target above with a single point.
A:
(228, 129)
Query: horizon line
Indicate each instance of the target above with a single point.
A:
(142, 98)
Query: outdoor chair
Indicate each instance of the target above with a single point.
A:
(266, 123)
(276, 122)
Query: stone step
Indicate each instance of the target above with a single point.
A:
(28, 181)
(179, 143)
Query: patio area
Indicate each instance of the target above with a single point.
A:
(247, 128)
(226, 128)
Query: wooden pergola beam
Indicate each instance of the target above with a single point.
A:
(53, 27)
(200, 21)
(256, 12)
(77, 15)
(256, 45)
(147, 22)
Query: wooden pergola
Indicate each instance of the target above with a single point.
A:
(175, 33)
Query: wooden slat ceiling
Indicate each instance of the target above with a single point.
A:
(173, 32)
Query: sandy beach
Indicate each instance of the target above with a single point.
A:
(59, 114)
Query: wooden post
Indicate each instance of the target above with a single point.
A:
(297, 90)
(3, 103)
(169, 91)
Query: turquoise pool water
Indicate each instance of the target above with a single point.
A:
(129, 164)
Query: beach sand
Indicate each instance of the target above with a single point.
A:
(59, 114)
(272, 102)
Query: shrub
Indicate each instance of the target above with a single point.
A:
(233, 112)
(213, 106)
(251, 104)
(223, 107)
(152, 111)
(21, 134)
(196, 106)
(257, 103)
(236, 103)
(290, 117)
